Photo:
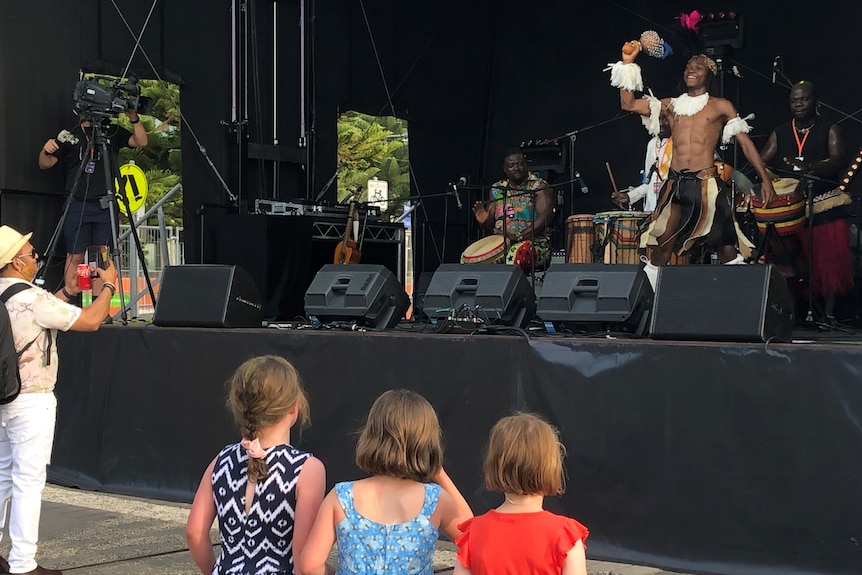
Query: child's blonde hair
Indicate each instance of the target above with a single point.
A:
(525, 457)
(260, 392)
(401, 437)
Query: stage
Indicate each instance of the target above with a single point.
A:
(694, 456)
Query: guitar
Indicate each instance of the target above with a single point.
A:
(346, 251)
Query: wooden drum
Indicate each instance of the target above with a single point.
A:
(579, 239)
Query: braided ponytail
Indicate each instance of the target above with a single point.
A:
(261, 392)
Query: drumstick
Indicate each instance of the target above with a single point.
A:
(613, 183)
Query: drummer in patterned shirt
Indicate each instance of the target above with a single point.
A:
(520, 208)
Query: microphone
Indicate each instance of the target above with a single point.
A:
(67, 137)
(775, 67)
(407, 212)
(462, 181)
(582, 183)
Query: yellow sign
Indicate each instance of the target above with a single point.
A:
(133, 183)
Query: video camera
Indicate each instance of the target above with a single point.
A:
(96, 99)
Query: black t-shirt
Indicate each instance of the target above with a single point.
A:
(815, 148)
(92, 185)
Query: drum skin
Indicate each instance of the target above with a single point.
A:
(488, 250)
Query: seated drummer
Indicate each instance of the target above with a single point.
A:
(511, 212)
(656, 164)
(810, 144)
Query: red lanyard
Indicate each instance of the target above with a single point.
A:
(800, 145)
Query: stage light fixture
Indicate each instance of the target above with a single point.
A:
(851, 171)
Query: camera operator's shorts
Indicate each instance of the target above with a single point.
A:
(87, 224)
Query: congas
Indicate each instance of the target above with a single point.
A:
(786, 211)
(617, 233)
(579, 235)
(488, 250)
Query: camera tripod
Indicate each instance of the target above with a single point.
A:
(100, 141)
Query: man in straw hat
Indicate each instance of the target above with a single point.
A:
(693, 206)
(27, 422)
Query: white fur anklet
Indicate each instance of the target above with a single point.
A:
(651, 272)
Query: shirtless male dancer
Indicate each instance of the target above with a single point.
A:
(692, 206)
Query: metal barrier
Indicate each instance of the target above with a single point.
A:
(162, 246)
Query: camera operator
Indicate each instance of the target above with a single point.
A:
(88, 222)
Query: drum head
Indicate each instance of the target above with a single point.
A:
(784, 186)
(485, 250)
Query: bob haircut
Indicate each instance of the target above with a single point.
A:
(401, 438)
(525, 457)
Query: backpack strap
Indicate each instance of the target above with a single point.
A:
(7, 294)
(13, 289)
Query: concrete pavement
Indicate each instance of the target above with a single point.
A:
(87, 533)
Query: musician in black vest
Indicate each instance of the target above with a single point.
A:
(810, 144)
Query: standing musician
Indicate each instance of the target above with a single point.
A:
(808, 144)
(693, 206)
(659, 151)
(520, 208)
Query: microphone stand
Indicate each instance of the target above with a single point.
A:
(573, 136)
(326, 186)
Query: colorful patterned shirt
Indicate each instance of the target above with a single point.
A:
(517, 203)
(36, 315)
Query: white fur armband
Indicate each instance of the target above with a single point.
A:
(651, 122)
(626, 76)
(733, 127)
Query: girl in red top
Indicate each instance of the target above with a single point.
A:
(525, 463)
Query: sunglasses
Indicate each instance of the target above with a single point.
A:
(32, 254)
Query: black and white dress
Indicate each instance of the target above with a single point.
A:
(260, 542)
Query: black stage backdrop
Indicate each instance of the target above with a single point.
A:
(696, 457)
(472, 78)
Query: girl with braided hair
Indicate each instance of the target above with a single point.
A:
(265, 492)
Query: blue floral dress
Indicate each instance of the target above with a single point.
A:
(366, 547)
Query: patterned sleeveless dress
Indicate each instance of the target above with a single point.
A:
(369, 548)
(260, 542)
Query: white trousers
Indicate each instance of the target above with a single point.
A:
(26, 440)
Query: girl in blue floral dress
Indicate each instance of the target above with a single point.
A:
(389, 522)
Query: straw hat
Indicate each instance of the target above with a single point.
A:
(11, 243)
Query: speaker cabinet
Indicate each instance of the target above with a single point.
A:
(722, 303)
(577, 296)
(498, 294)
(203, 295)
(368, 294)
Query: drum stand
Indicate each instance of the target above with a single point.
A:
(809, 318)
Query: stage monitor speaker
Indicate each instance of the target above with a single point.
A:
(369, 294)
(205, 295)
(722, 303)
(584, 296)
(498, 294)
